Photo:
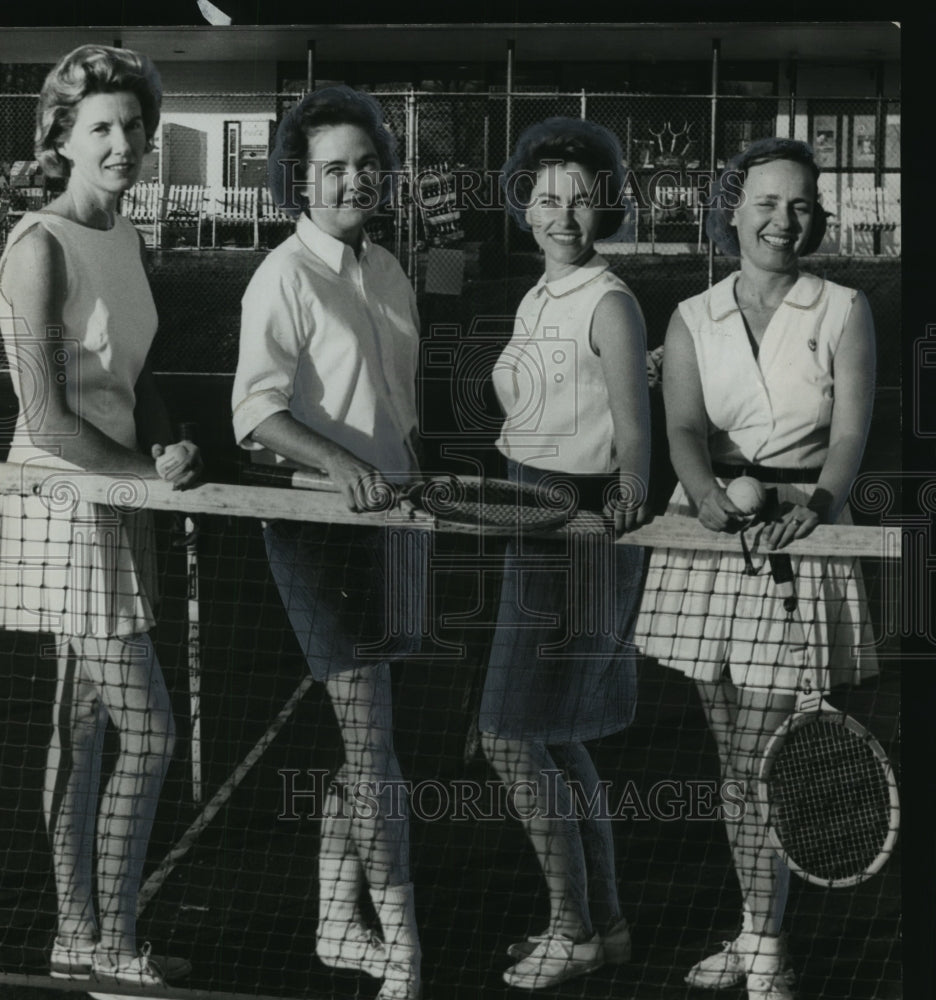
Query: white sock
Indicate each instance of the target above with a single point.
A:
(341, 874)
(395, 906)
(766, 955)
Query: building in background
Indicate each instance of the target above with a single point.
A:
(681, 97)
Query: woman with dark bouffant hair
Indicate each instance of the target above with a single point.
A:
(326, 379)
(768, 374)
(77, 316)
(572, 383)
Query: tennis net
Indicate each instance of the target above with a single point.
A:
(230, 879)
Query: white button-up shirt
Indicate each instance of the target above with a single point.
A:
(333, 339)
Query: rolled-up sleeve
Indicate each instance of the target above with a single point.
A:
(271, 339)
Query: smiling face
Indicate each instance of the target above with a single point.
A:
(106, 145)
(562, 216)
(342, 180)
(775, 217)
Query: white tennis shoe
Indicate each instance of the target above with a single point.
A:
(764, 957)
(616, 944)
(351, 946)
(553, 960)
(720, 971)
(141, 971)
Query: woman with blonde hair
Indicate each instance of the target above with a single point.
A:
(77, 319)
(769, 374)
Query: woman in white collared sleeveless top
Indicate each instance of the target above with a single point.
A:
(572, 383)
(769, 374)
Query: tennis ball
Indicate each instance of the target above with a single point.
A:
(747, 494)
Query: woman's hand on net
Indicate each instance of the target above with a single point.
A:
(361, 485)
(718, 513)
(180, 463)
(628, 504)
(798, 522)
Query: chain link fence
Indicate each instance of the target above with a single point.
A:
(451, 145)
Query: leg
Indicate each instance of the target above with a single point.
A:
(758, 953)
(597, 838)
(340, 869)
(759, 714)
(726, 721)
(720, 702)
(130, 685)
(342, 940)
(362, 702)
(544, 804)
(555, 836)
(70, 797)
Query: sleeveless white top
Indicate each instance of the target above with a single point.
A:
(549, 379)
(703, 610)
(68, 566)
(775, 409)
(109, 321)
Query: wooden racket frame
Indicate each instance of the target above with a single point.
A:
(411, 494)
(809, 708)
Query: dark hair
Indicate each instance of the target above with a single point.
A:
(329, 106)
(724, 193)
(91, 69)
(567, 140)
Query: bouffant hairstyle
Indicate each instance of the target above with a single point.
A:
(725, 191)
(91, 69)
(567, 140)
(286, 169)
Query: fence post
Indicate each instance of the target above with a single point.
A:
(583, 105)
(507, 140)
(410, 171)
(485, 155)
(792, 78)
(880, 128)
(716, 48)
(310, 65)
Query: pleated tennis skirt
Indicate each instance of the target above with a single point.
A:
(563, 664)
(701, 613)
(75, 568)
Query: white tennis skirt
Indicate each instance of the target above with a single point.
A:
(75, 568)
(702, 613)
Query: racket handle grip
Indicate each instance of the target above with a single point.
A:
(188, 431)
(781, 569)
(307, 479)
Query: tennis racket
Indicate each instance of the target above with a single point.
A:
(826, 789)
(468, 503)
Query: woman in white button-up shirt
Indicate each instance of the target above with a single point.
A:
(768, 374)
(326, 380)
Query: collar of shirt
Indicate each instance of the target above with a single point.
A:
(803, 295)
(574, 280)
(337, 255)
